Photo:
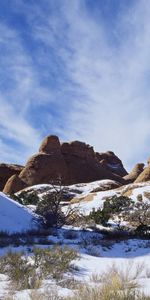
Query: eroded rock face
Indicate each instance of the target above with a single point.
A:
(135, 172)
(112, 163)
(6, 171)
(74, 162)
(50, 145)
(42, 168)
(14, 184)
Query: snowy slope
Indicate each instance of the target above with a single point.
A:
(15, 217)
(85, 199)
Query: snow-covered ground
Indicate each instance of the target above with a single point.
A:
(15, 217)
(98, 255)
(85, 199)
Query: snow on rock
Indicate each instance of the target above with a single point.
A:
(144, 191)
(15, 217)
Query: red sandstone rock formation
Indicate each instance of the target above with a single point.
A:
(14, 184)
(74, 162)
(6, 171)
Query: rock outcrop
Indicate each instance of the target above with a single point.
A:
(135, 172)
(14, 184)
(112, 163)
(6, 171)
(144, 176)
(74, 162)
(50, 145)
(148, 161)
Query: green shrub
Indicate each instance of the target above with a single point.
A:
(117, 204)
(29, 197)
(140, 217)
(16, 198)
(99, 216)
(26, 197)
(112, 206)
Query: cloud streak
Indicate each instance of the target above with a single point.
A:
(87, 85)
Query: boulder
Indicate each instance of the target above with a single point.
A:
(43, 168)
(6, 171)
(148, 161)
(50, 145)
(136, 171)
(13, 185)
(112, 163)
(144, 176)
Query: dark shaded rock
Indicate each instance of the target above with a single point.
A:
(6, 171)
(111, 162)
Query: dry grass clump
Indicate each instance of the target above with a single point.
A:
(28, 272)
(113, 285)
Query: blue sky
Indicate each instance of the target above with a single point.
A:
(79, 69)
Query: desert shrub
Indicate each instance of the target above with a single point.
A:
(21, 273)
(51, 210)
(26, 273)
(16, 198)
(49, 207)
(140, 217)
(112, 206)
(117, 204)
(54, 261)
(99, 216)
(28, 198)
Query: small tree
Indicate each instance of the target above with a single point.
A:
(50, 207)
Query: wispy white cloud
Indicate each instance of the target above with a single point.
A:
(109, 81)
(20, 90)
(100, 92)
